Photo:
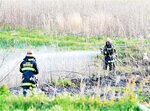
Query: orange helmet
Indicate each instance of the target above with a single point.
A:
(30, 54)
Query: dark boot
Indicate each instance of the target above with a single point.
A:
(24, 92)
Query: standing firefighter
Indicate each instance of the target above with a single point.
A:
(109, 55)
(29, 69)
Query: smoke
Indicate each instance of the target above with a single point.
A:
(51, 64)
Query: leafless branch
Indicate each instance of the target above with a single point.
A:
(9, 72)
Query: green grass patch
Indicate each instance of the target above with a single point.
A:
(22, 37)
(66, 102)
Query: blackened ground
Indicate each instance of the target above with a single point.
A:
(106, 86)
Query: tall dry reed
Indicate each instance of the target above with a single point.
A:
(125, 18)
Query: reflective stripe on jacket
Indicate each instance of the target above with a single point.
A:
(29, 84)
(28, 69)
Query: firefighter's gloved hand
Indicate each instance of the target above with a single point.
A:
(114, 56)
(105, 52)
(33, 80)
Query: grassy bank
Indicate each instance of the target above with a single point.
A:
(64, 102)
(22, 38)
(25, 38)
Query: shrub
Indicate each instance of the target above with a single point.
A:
(4, 91)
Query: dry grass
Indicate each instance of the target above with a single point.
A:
(125, 18)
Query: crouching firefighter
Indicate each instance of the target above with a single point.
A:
(109, 55)
(29, 69)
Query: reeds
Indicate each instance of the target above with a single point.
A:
(124, 18)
